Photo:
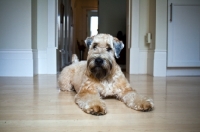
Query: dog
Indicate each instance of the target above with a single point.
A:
(100, 77)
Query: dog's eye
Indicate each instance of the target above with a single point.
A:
(109, 49)
(95, 46)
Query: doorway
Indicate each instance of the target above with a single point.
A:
(74, 25)
(112, 20)
(92, 23)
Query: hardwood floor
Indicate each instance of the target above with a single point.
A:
(36, 104)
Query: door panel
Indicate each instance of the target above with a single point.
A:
(65, 33)
(183, 33)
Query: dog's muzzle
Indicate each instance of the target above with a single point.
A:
(99, 67)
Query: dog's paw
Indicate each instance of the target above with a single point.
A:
(96, 108)
(144, 105)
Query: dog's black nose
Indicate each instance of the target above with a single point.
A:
(99, 61)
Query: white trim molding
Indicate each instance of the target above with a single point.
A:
(182, 71)
(145, 62)
(16, 62)
(51, 64)
(44, 61)
(160, 65)
(150, 62)
(132, 60)
(51, 60)
(40, 61)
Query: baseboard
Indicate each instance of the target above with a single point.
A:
(160, 65)
(51, 64)
(16, 62)
(45, 61)
(144, 59)
(40, 61)
(155, 63)
(150, 62)
(134, 61)
(143, 55)
(145, 62)
(183, 71)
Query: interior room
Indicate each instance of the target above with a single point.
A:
(160, 59)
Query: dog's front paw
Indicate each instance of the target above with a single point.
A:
(96, 108)
(143, 104)
(138, 102)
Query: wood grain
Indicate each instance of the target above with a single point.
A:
(36, 104)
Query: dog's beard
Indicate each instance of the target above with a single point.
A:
(99, 72)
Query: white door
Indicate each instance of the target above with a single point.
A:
(183, 33)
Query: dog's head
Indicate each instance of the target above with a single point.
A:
(103, 48)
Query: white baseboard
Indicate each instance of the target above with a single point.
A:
(143, 62)
(51, 64)
(40, 61)
(146, 62)
(27, 62)
(160, 63)
(183, 72)
(16, 62)
(134, 61)
(150, 62)
(45, 61)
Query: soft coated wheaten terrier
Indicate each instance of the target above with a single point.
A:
(100, 76)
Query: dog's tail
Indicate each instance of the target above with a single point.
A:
(74, 58)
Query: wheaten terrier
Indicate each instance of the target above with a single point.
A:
(100, 77)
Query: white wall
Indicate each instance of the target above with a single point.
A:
(161, 25)
(112, 16)
(144, 23)
(153, 19)
(42, 24)
(39, 24)
(27, 37)
(15, 38)
(147, 23)
(160, 52)
(15, 24)
(44, 55)
(152, 22)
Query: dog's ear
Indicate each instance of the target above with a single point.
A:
(118, 46)
(88, 41)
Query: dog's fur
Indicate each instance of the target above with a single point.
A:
(100, 76)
